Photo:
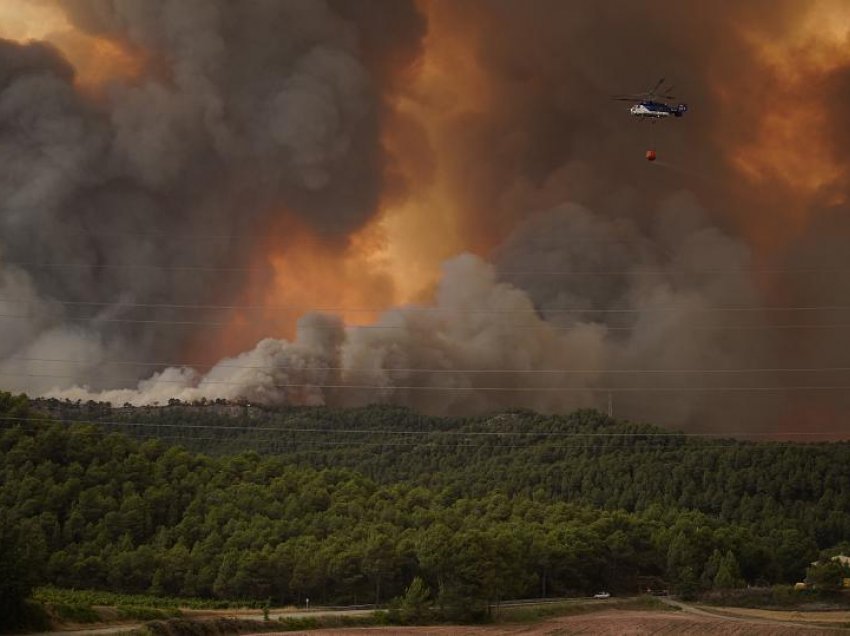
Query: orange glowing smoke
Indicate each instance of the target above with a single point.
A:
(396, 258)
(423, 225)
(96, 60)
(787, 157)
(308, 273)
(312, 273)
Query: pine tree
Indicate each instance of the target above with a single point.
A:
(728, 573)
(415, 606)
(712, 567)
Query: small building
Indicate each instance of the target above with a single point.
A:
(843, 560)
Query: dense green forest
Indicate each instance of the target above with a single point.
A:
(352, 506)
(584, 457)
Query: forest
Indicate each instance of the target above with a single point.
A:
(353, 506)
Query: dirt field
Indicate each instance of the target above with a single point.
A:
(840, 617)
(611, 622)
(689, 620)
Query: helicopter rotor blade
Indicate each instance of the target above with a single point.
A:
(657, 86)
(656, 93)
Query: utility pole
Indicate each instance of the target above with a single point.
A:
(610, 405)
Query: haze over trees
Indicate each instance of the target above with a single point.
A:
(437, 511)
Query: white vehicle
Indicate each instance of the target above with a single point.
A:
(602, 595)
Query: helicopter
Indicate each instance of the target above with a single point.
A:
(653, 103)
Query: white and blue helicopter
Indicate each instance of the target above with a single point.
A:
(653, 104)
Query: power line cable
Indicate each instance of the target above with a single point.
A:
(379, 387)
(425, 445)
(437, 370)
(402, 308)
(541, 326)
(611, 272)
(263, 236)
(454, 433)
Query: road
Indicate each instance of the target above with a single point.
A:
(723, 615)
(605, 621)
(248, 614)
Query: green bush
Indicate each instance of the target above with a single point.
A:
(75, 613)
(217, 627)
(298, 623)
(532, 613)
(777, 597)
(294, 623)
(55, 595)
(146, 613)
(32, 618)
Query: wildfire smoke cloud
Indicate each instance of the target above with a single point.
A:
(250, 161)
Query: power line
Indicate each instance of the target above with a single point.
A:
(671, 271)
(165, 234)
(541, 326)
(453, 432)
(402, 308)
(659, 443)
(159, 268)
(440, 370)
(318, 385)
(610, 272)
(263, 236)
(273, 440)
(425, 445)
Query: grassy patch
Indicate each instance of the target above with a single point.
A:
(293, 624)
(196, 628)
(216, 627)
(89, 598)
(74, 612)
(146, 613)
(778, 597)
(533, 613)
(221, 626)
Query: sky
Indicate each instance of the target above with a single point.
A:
(432, 203)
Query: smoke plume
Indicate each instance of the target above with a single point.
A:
(283, 179)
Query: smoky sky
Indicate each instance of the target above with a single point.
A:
(249, 114)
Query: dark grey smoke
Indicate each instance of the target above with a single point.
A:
(250, 112)
(482, 334)
(258, 109)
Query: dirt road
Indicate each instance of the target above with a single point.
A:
(248, 614)
(623, 622)
(691, 619)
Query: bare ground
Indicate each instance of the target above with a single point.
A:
(608, 622)
(705, 621)
(808, 616)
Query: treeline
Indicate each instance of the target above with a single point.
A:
(92, 509)
(781, 489)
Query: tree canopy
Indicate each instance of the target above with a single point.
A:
(453, 515)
